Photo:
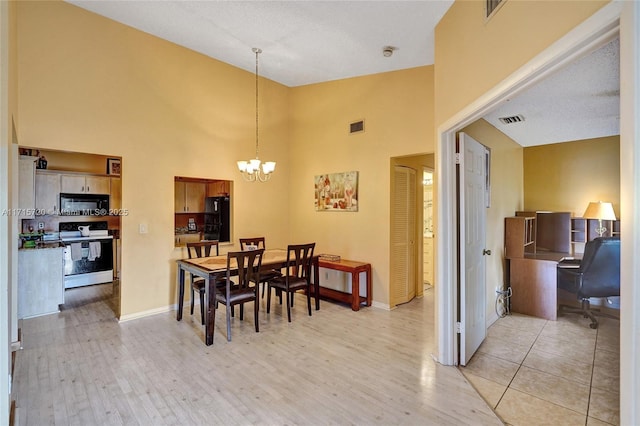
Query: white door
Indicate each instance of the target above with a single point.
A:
(472, 182)
(403, 233)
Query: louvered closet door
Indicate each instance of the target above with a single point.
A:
(403, 227)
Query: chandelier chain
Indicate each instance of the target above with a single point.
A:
(257, 53)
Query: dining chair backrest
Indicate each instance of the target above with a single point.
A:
(203, 249)
(255, 241)
(300, 259)
(248, 265)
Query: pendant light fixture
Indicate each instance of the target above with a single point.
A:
(253, 170)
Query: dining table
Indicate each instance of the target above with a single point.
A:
(213, 267)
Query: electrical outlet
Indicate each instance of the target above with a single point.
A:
(40, 225)
(142, 228)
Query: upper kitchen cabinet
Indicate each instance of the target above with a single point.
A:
(81, 184)
(189, 197)
(26, 187)
(218, 188)
(47, 192)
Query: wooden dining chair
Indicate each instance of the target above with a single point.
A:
(267, 275)
(297, 277)
(247, 287)
(202, 249)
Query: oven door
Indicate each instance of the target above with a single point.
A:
(88, 262)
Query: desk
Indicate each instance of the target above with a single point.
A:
(209, 268)
(354, 268)
(533, 281)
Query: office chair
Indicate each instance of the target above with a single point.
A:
(598, 275)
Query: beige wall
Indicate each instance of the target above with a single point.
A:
(397, 108)
(88, 84)
(506, 197)
(567, 176)
(473, 55)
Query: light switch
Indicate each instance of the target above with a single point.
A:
(142, 228)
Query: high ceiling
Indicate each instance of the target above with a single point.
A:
(306, 42)
(302, 42)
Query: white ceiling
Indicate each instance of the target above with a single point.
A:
(581, 101)
(302, 42)
(306, 42)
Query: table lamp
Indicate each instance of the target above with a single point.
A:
(601, 211)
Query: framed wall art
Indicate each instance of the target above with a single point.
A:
(336, 192)
(113, 166)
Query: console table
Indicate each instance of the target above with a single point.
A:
(354, 268)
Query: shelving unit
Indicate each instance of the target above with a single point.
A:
(519, 236)
(584, 230)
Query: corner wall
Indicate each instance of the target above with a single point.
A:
(89, 84)
(397, 108)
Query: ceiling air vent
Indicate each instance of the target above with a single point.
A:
(356, 127)
(510, 120)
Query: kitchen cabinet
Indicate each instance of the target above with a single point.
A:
(26, 187)
(115, 201)
(47, 192)
(218, 188)
(183, 239)
(85, 184)
(189, 197)
(40, 281)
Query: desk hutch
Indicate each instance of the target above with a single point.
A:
(534, 243)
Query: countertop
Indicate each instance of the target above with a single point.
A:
(40, 245)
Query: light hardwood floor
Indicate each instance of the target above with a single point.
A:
(82, 367)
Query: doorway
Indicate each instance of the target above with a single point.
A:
(582, 39)
(427, 228)
(407, 280)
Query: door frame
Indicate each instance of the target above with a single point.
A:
(617, 16)
(603, 25)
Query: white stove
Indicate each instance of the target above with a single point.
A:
(101, 234)
(87, 260)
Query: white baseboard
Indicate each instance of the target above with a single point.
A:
(384, 306)
(150, 312)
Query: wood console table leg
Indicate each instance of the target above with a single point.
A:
(369, 284)
(355, 291)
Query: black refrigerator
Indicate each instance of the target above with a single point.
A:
(216, 219)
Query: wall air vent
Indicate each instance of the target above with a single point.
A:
(510, 120)
(356, 126)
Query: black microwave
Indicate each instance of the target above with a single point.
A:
(84, 204)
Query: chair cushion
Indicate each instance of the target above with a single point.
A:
(198, 284)
(295, 283)
(269, 275)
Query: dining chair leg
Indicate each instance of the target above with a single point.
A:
(268, 299)
(256, 307)
(241, 311)
(288, 307)
(309, 299)
(201, 306)
(192, 303)
(228, 322)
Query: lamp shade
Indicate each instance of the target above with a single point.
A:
(599, 210)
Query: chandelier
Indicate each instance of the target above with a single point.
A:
(254, 170)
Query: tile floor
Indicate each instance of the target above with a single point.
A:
(533, 372)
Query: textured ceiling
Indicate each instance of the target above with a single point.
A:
(303, 42)
(306, 42)
(581, 101)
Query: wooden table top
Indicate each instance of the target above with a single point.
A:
(219, 263)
